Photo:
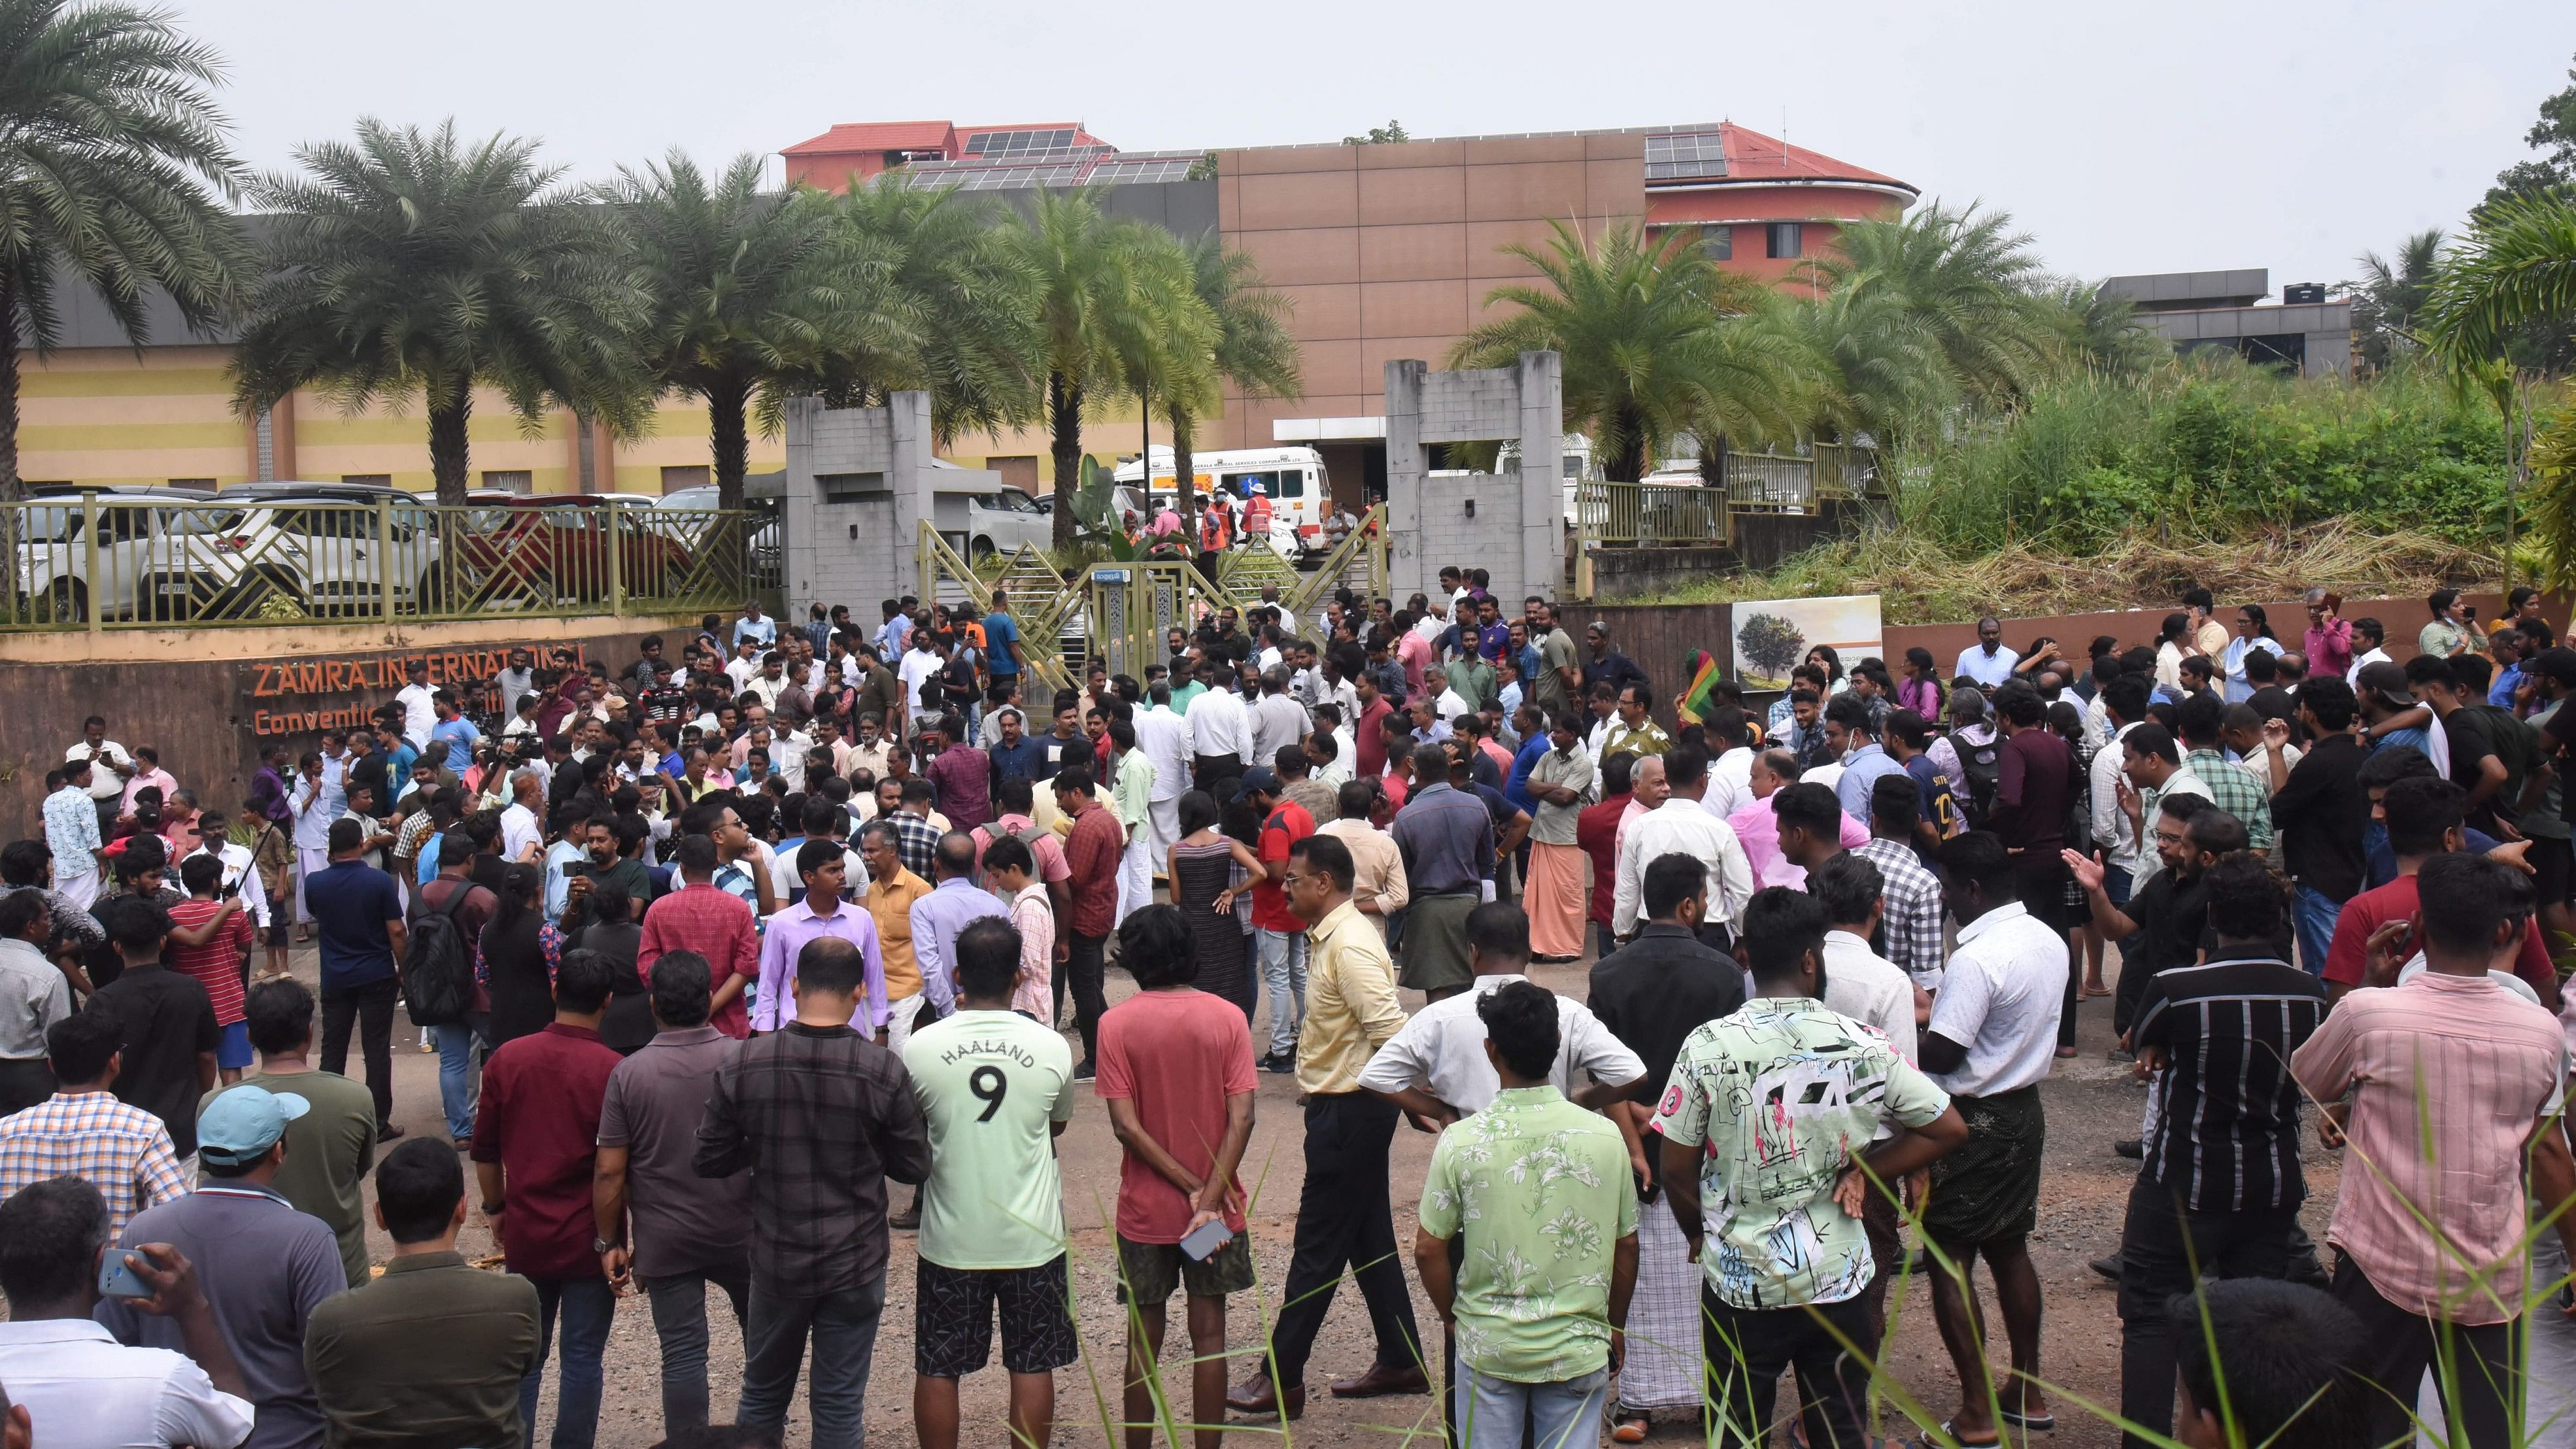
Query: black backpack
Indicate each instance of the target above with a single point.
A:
(1981, 769)
(438, 969)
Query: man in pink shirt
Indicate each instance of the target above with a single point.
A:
(2328, 644)
(2453, 1081)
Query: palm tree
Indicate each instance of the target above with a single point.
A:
(1104, 292)
(964, 298)
(742, 287)
(1654, 340)
(414, 266)
(1253, 350)
(1876, 366)
(2096, 331)
(2516, 268)
(1965, 280)
(112, 165)
(2388, 301)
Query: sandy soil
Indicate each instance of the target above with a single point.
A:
(2091, 1101)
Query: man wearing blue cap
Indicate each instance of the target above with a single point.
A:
(262, 1266)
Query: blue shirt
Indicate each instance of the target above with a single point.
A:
(429, 857)
(1516, 788)
(1491, 642)
(350, 903)
(398, 763)
(1862, 768)
(1023, 761)
(1000, 633)
(1939, 805)
(458, 736)
(2500, 694)
(2420, 741)
(764, 629)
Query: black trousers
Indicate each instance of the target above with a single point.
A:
(1086, 964)
(2397, 1346)
(1343, 1220)
(2042, 877)
(371, 1009)
(2164, 1247)
(1746, 1350)
(1214, 774)
(24, 1082)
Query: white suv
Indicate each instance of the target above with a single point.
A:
(157, 559)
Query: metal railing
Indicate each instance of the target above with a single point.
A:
(123, 561)
(1648, 515)
(1783, 481)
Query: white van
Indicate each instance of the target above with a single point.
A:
(1293, 478)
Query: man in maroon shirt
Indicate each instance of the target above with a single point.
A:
(703, 917)
(1091, 853)
(962, 775)
(536, 1139)
(2031, 789)
(1368, 732)
(1596, 829)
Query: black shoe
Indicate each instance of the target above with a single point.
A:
(1279, 1064)
(388, 1133)
(2108, 1267)
(2131, 1148)
(1086, 1072)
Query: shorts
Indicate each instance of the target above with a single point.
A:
(2553, 867)
(279, 934)
(1988, 1190)
(1148, 1272)
(952, 1319)
(233, 1050)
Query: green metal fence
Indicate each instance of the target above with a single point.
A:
(125, 561)
(1648, 515)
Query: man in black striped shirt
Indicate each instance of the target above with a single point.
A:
(2220, 1187)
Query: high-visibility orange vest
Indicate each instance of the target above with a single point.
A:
(1212, 530)
(1256, 517)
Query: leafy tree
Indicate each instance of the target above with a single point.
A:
(1770, 643)
(1386, 135)
(740, 287)
(2388, 300)
(1253, 348)
(1654, 339)
(2516, 268)
(413, 266)
(1107, 294)
(2094, 331)
(2553, 135)
(113, 167)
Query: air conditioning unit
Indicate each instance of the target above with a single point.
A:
(2297, 292)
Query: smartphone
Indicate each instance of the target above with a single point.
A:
(1210, 1236)
(116, 1279)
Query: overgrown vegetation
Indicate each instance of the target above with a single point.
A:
(2096, 494)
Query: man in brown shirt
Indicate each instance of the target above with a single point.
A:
(1091, 853)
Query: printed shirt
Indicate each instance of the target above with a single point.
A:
(122, 1150)
(991, 1085)
(1541, 1191)
(71, 833)
(1780, 1096)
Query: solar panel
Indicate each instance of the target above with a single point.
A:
(1684, 157)
(1133, 170)
(996, 145)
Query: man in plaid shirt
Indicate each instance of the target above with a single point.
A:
(84, 1131)
(2200, 719)
(1910, 922)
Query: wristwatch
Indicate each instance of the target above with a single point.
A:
(600, 1246)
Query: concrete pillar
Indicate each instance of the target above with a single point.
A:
(1406, 567)
(1542, 448)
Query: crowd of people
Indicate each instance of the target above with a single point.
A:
(724, 954)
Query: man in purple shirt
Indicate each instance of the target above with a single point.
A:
(2031, 789)
(963, 777)
(822, 865)
(954, 903)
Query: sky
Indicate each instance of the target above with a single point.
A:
(2123, 138)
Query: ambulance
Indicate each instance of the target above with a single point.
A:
(1291, 478)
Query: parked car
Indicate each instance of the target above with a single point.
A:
(349, 556)
(156, 559)
(555, 546)
(979, 520)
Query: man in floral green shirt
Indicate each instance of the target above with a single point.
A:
(1541, 1190)
(1768, 1120)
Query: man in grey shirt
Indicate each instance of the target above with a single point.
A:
(688, 1230)
(263, 1266)
(33, 996)
(1278, 720)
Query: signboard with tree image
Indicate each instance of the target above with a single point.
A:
(1774, 636)
(1768, 647)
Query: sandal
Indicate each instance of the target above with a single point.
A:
(1953, 1436)
(1628, 1429)
(2037, 1424)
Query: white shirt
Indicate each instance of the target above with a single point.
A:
(916, 666)
(418, 715)
(2181, 782)
(1730, 783)
(1868, 988)
(2110, 827)
(2000, 998)
(2352, 676)
(518, 831)
(1219, 725)
(104, 782)
(1679, 825)
(1442, 1051)
(784, 877)
(742, 672)
(1163, 737)
(81, 1387)
(243, 877)
(1989, 670)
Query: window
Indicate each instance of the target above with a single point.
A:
(201, 485)
(381, 480)
(1786, 238)
(675, 479)
(515, 480)
(1718, 242)
(1292, 482)
(849, 487)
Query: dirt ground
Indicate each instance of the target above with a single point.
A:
(2091, 1101)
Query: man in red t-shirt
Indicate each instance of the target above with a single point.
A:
(216, 965)
(1279, 939)
(1092, 849)
(1176, 1070)
(2424, 818)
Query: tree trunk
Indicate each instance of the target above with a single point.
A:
(450, 461)
(1712, 462)
(1183, 466)
(728, 439)
(1626, 435)
(11, 488)
(1064, 423)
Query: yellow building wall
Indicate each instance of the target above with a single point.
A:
(113, 417)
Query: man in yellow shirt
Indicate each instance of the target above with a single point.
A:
(1343, 1217)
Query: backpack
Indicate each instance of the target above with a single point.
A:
(438, 966)
(1981, 769)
